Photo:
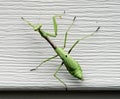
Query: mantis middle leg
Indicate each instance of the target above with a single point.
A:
(66, 34)
(44, 61)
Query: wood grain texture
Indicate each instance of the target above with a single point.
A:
(22, 49)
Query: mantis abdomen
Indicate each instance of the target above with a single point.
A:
(72, 65)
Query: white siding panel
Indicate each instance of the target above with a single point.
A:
(22, 49)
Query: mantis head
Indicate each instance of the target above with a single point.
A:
(37, 27)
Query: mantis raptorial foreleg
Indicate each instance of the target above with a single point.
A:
(48, 34)
(55, 28)
(55, 25)
(36, 27)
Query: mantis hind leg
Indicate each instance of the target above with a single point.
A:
(55, 75)
(83, 39)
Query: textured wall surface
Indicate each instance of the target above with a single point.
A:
(22, 49)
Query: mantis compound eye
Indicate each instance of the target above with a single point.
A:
(36, 27)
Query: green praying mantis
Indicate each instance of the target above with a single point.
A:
(71, 64)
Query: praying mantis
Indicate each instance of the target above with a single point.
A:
(70, 63)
